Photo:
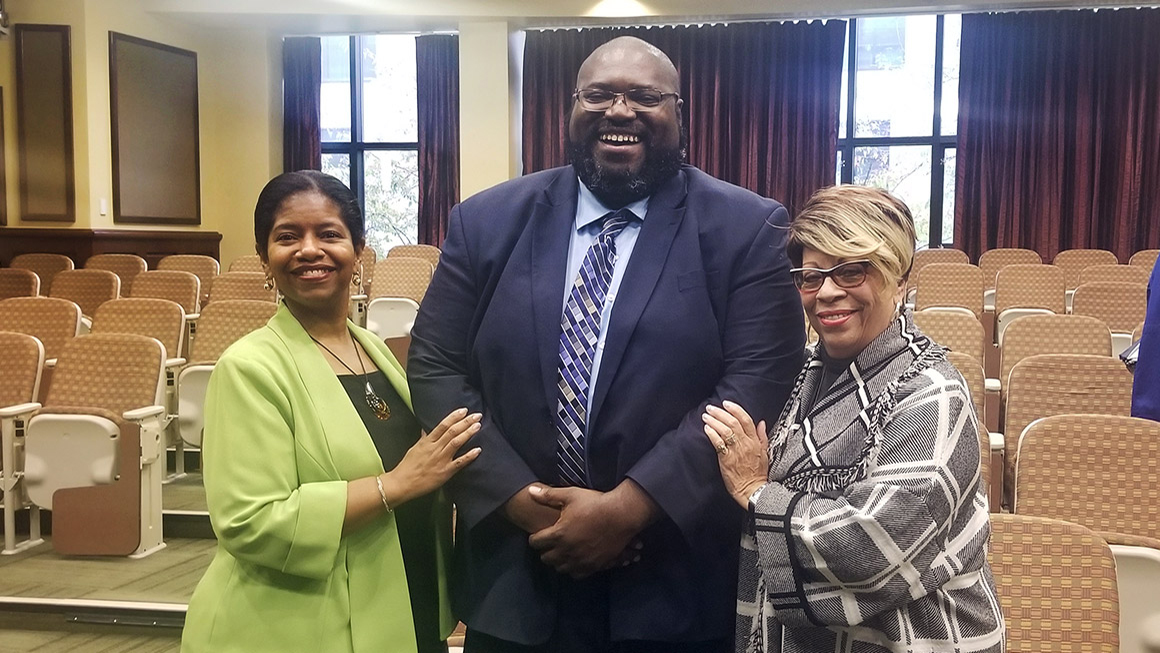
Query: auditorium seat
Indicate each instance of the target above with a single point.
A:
(399, 286)
(46, 266)
(241, 285)
(428, 253)
(220, 325)
(993, 260)
(1101, 471)
(1056, 584)
(21, 360)
(925, 257)
(206, 268)
(1055, 384)
(125, 266)
(1030, 289)
(88, 288)
(247, 263)
(1145, 258)
(972, 373)
(1073, 261)
(950, 285)
(17, 282)
(1117, 273)
(1121, 306)
(50, 320)
(94, 454)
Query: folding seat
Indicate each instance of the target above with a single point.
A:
(925, 257)
(973, 375)
(50, 320)
(958, 332)
(1117, 273)
(429, 253)
(400, 283)
(183, 288)
(164, 321)
(94, 454)
(220, 324)
(88, 289)
(1056, 384)
(1121, 306)
(125, 266)
(1056, 584)
(1145, 258)
(1073, 261)
(21, 361)
(206, 268)
(358, 296)
(950, 286)
(242, 285)
(1022, 290)
(17, 282)
(993, 260)
(1101, 471)
(248, 263)
(44, 265)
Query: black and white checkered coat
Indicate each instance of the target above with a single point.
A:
(872, 533)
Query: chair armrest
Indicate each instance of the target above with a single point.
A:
(992, 385)
(50, 362)
(991, 403)
(174, 362)
(18, 409)
(138, 414)
(996, 442)
(192, 317)
(358, 298)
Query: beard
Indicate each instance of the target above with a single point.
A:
(616, 189)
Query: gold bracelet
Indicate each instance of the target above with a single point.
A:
(383, 493)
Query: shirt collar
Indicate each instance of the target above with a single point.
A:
(589, 209)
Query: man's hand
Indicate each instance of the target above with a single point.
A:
(528, 514)
(595, 531)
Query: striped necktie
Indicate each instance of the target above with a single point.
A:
(580, 328)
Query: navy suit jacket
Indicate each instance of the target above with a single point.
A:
(706, 312)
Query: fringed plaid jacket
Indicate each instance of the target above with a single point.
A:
(872, 533)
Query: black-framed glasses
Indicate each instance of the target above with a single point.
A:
(637, 99)
(850, 274)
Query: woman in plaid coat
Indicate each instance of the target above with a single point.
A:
(868, 525)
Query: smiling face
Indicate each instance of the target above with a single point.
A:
(310, 254)
(623, 155)
(848, 319)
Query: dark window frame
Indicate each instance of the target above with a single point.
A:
(937, 141)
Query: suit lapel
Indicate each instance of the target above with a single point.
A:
(665, 211)
(553, 219)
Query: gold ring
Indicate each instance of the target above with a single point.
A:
(731, 439)
(722, 448)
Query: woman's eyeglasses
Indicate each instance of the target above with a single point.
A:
(850, 274)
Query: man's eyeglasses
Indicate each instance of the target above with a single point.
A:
(637, 99)
(850, 274)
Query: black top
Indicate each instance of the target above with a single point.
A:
(415, 519)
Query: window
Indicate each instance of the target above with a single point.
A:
(370, 132)
(897, 124)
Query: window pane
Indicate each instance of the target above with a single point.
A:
(388, 87)
(838, 171)
(337, 165)
(895, 76)
(335, 92)
(904, 170)
(391, 186)
(952, 38)
(948, 225)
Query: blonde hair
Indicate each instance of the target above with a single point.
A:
(856, 222)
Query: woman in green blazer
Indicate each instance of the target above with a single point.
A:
(319, 548)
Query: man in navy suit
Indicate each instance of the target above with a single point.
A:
(634, 548)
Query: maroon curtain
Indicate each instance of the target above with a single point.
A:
(301, 97)
(437, 86)
(761, 99)
(1059, 131)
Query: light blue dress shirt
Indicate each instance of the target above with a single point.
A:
(589, 210)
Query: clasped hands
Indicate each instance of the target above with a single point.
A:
(580, 532)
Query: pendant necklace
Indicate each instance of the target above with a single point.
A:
(376, 403)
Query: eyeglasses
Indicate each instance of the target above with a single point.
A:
(850, 274)
(637, 99)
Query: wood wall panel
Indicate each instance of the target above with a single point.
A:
(80, 244)
(44, 122)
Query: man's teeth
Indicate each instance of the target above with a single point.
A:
(619, 138)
